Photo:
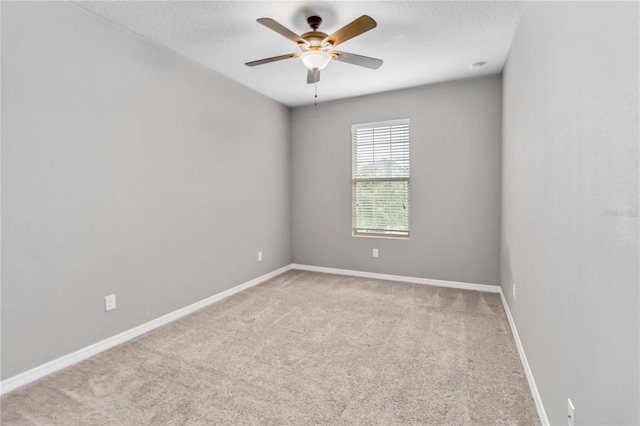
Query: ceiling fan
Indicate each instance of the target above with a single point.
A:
(317, 48)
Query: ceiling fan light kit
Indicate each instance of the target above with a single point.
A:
(315, 60)
(318, 48)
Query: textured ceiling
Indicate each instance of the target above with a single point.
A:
(421, 42)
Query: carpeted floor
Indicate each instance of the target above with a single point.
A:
(302, 348)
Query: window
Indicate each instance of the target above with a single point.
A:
(380, 172)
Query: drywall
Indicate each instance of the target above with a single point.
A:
(570, 205)
(455, 183)
(126, 169)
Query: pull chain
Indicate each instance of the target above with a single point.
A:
(315, 99)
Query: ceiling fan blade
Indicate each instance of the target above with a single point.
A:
(313, 76)
(282, 30)
(272, 59)
(351, 58)
(349, 31)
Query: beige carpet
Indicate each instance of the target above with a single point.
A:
(302, 348)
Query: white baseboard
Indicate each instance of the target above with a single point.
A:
(425, 281)
(40, 371)
(525, 364)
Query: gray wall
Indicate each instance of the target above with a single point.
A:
(455, 183)
(570, 205)
(125, 169)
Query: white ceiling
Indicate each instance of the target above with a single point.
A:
(421, 42)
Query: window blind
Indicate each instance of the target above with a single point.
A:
(380, 178)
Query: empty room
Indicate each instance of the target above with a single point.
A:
(324, 212)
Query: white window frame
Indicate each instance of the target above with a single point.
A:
(403, 155)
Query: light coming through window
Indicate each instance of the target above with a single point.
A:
(380, 178)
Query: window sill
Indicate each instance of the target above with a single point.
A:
(386, 237)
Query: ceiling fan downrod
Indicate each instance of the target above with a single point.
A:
(314, 22)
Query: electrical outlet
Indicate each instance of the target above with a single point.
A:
(109, 302)
(514, 292)
(571, 413)
(259, 256)
(375, 252)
